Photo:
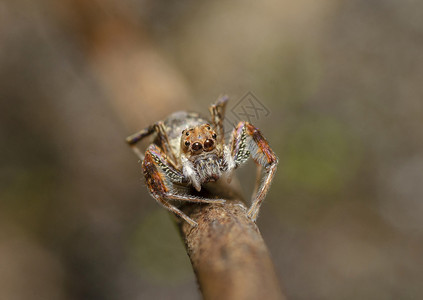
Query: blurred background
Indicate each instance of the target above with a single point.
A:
(341, 80)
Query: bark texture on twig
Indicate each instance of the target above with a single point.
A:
(227, 252)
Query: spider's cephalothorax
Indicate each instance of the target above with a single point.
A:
(202, 157)
(189, 150)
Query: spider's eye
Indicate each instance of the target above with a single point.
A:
(187, 133)
(214, 135)
(208, 127)
(208, 145)
(197, 146)
(186, 143)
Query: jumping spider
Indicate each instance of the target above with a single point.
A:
(189, 150)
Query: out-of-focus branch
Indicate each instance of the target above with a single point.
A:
(227, 252)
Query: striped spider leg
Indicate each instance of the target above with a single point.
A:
(247, 140)
(160, 171)
(160, 175)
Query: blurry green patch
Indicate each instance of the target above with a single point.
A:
(159, 252)
(292, 73)
(320, 156)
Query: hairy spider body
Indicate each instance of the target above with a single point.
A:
(189, 150)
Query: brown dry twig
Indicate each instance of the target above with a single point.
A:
(227, 252)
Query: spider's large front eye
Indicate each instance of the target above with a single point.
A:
(196, 146)
(208, 145)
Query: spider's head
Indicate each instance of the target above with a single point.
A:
(198, 140)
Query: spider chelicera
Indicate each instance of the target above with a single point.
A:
(190, 150)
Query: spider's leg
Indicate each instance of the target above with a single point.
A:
(133, 139)
(158, 183)
(190, 198)
(164, 142)
(138, 136)
(160, 175)
(162, 139)
(248, 140)
(259, 168)
(217, 112)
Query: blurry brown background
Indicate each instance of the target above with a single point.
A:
(342, 81)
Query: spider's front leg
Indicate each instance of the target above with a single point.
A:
(247, 140)
(160, 175)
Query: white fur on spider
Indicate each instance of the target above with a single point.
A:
(189, 172)
(228, 158)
